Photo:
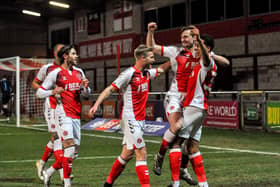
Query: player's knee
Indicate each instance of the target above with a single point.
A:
(141, 154)
(68, 143)
(179, 124)
(192, 146)
(176, 143)
(54, 136)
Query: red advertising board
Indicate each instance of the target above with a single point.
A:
(222, 114)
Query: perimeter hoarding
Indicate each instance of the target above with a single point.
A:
(273, 113)
(152, 128)
(222, 114)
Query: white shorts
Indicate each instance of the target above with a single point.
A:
(133, 134)
(67, 127)
(193, 119)
(173, 102)
(50, 116)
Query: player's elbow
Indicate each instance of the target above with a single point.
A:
(39, 93)
(34, 85)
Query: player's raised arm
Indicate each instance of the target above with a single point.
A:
(220, 59)
(150, 40)
(165, 66)
(104, 94)
(204, 52)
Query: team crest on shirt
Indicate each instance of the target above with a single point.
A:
(139, 140)
(53, 126)
(136, 79)
(64, 78)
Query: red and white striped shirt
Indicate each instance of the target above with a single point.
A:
(182, 64)
(41, 76)
(70, 80)
(200, 84)
(135, 87)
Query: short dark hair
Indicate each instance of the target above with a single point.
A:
(64, 50)
(190, 27)
(208, 41)
(142, 50)
(55, 47)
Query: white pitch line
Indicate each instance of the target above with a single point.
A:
(240, 150)
(14, 134)
(201, 145)
(90, 158)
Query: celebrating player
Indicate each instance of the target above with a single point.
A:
(134, 82)
(54, 145)
(67, 82)
(182, 62)
(194, 112)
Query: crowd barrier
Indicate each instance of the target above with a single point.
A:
(232, 109)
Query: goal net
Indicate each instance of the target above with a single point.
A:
(24, 107)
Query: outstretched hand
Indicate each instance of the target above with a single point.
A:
(92, 111)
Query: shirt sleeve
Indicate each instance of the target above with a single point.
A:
(50, 81)
(153, 73)
(41, 75)
(123, 79)
(169, 51)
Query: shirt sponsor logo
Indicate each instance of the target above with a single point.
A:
(72, 86)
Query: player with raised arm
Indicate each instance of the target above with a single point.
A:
(194, 112)
(182, 62)
(209, 43)
(134, 83)
(54, 145)
(66, 81)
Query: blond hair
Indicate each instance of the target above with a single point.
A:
(142, 50)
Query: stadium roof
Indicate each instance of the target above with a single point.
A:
(11, 10)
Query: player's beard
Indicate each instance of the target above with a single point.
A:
(187, 45)
(70, 63)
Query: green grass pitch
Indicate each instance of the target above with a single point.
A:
(232, 158)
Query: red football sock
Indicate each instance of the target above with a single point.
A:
(175, 162)
(143, 173)
(67, 167)
(197, 164)
(163, 147)
(47, 153)
(168, 137)
(58, 155)
(116, 170)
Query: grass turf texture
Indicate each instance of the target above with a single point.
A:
(227, 168)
